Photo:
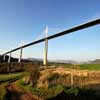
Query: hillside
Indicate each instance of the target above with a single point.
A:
(97, 61)
(52, 82)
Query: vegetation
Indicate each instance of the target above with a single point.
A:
(71, 90)
(10, 77)
(5, 79)
(2, 91)
(79, 94)
(90, 66)
(32, 71)
(41, 92)
(11, 67)
(58, 92)
(66, 65)
(78, 66)
(58, 82)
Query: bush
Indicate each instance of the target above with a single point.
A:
(22, 83)
(71, 90)
(53, 76)
(33, 73)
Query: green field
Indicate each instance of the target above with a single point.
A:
(90, 66)
(79, 66)
(10, 77)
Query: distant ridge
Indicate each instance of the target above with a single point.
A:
(54, 61)
(97, 61)
(36, 60)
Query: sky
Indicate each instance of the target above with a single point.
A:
(23, 21)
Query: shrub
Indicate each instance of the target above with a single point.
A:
(53, 76)
(33, 72)
(22, 83)
(71, 90)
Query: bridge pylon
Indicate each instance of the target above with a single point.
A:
(9, 59)
(45, 47)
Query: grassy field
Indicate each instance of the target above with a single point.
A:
(10, 77)
(89, 66)
(80, 66)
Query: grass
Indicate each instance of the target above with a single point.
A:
(76, 94)
(62, 65)
(47, 93)
(53, 76)
(5, 79)
(2, 91)
(41, 92)
(10, 77)
(71, 90)
(80, 66)
(56, 87)
(90, 66)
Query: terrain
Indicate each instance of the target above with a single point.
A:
(29, 81)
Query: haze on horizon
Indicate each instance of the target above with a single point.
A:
(24, 20)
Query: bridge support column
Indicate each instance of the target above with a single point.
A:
(20, 56)
(9, 59)
(4, 57)
(45, 48)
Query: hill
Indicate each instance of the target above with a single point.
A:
(97, 61)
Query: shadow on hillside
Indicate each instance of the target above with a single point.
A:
(83, 95)
(12, 96)
(91, 92)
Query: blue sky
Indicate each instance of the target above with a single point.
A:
(23, 20)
